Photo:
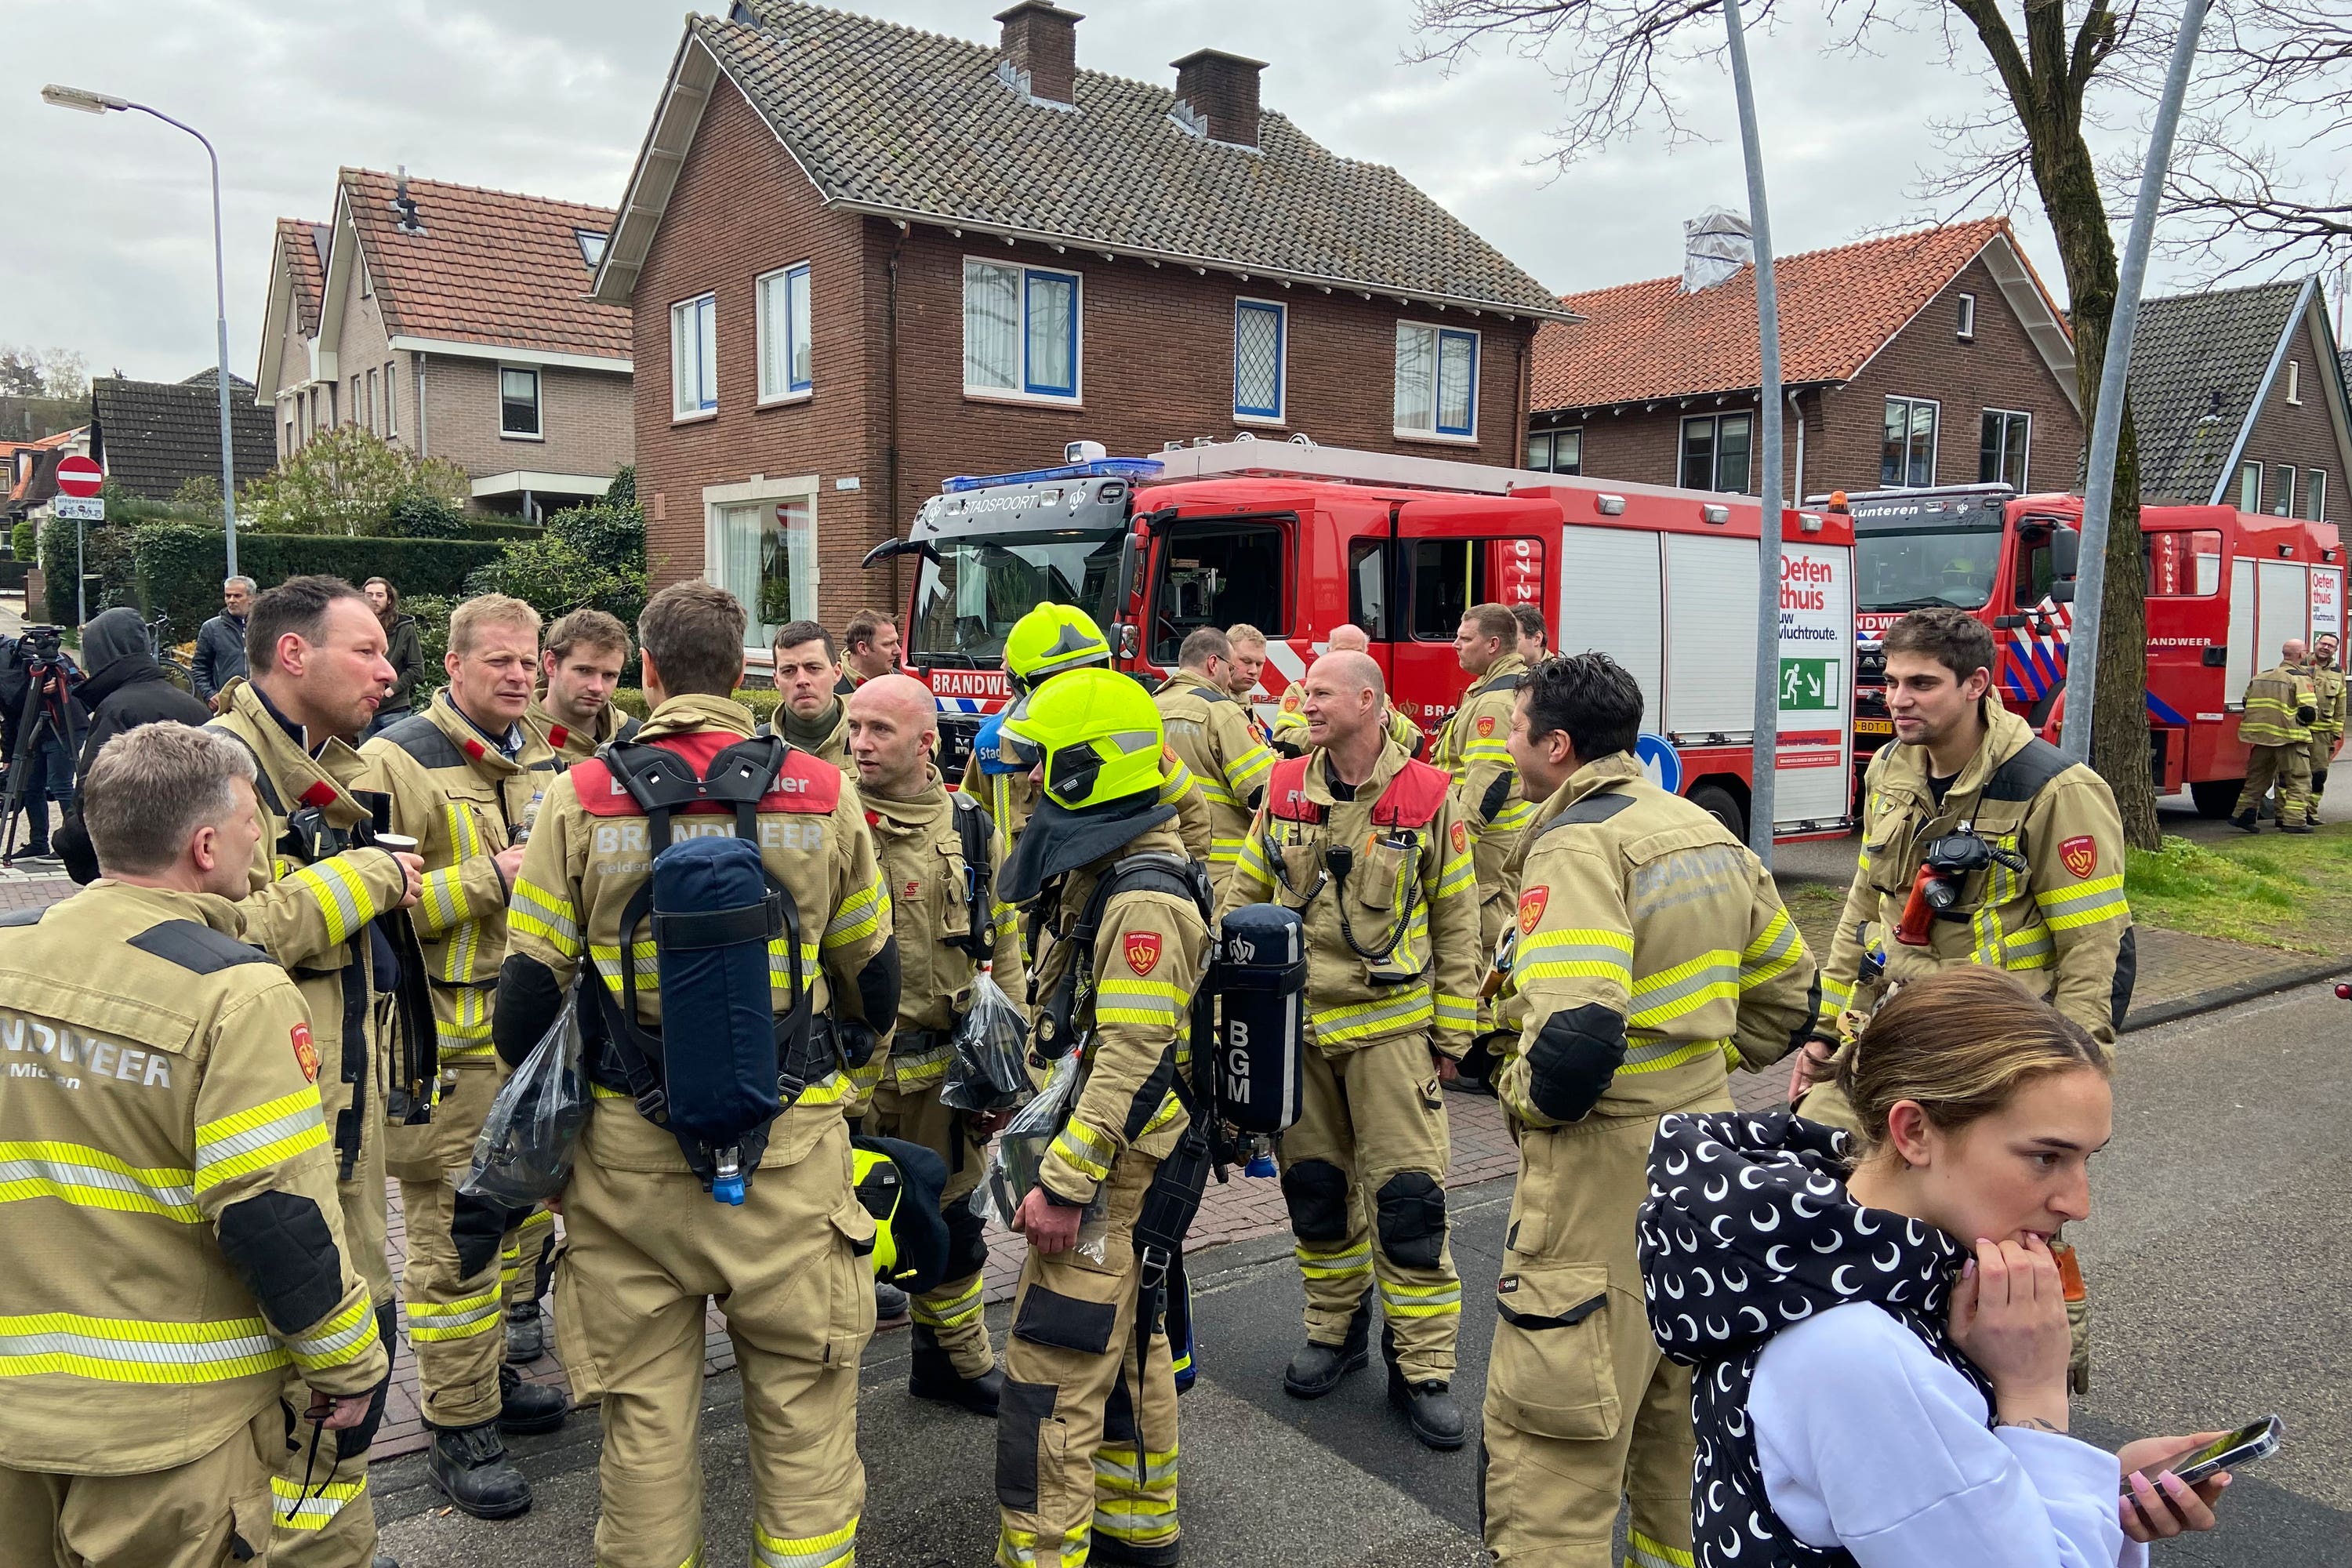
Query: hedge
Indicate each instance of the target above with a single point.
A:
(762, 702)
(179, 569)
(492, 528)
(106, 556)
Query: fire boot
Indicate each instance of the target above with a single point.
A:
(2245, 823)
(1128, 1554)
(526, 1334)
(1316, 1370)
(933, 1375)
(1429, 1405)
(383, 1561)
(2294, 827)
(889, 1302)
(471, 1467)
(526, 1407)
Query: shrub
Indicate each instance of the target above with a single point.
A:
(22, 539)
(762, 702)
(178, 569)
(432, 612)
(199, 496)
(349, 480)
(106, 555)
(421, 514)
(590, 557)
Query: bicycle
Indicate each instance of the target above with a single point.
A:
(159, 643)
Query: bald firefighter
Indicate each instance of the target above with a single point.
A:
(810, 713)
(1369, 847)
(1652, 952)
(1472, 747)
(2327, 686)
(1290, 731)
(1085, 1436)
(941, 858)
(315, 656)
(465, 776)
(580, 663)
(1209, 733)
(2281, 705)
(175, 1244)
(657, 1219)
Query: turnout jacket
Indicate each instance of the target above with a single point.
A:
(2280, 705)
(921, 853)
(591, 852)
(1210, 734)
(1150, 953)
(1653, 952)
(1410, 853)
(463, 800)
(2327, 686)
(167, 1194)
(2062, 926)
(571, 745)
(1473, 747)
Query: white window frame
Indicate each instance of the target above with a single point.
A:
(719, 500)
(1437, 430)
(699, 314)
(2287, 499)
(1965, 328)
(766, 326)
(1934, 438)
(1028, 390)
(2250, 473)
(2006, 413)
(2294, 381)
(391, 399)
(375, 401)
(537, 402)
(1279, 413)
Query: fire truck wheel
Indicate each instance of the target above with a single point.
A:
(1721, 805)
(2215, 797)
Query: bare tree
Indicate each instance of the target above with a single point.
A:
(2048, 64)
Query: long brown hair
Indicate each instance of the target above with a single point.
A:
(391, 611)
(1961, 1043)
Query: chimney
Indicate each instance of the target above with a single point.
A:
(1216, 93)
(405, 205)
(1040, 49)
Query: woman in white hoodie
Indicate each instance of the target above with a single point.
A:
(1878, 1327)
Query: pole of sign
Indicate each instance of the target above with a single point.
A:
(2107, 421)
(81, 578)
(1768, 563)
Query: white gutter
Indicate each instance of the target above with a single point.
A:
(452, 348)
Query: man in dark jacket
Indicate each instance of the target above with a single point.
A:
(220, 642)
(125, 688)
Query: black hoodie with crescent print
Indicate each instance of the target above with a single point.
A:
(1747, 1229)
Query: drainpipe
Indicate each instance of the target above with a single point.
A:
(421, 358)
(890, 394)
(1797, 488)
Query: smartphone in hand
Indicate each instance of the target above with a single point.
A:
(2255, 1440)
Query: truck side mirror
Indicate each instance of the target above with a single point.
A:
(2066, 553)
(2063, 591)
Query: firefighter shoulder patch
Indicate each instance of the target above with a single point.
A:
(2080, 854)
(1486, 726)
(1142, 951)
(1531, 908)
(305, 1052)
(1460, 838)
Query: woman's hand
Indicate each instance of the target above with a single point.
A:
(2165, 1507)
(2009, 1316)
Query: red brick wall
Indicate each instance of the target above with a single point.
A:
(2302, 436)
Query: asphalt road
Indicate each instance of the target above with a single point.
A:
(2219, 1253)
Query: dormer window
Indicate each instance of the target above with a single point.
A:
(592, 247)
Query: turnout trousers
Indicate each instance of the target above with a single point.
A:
(2323, 751)
(951, 1311)
(207, 1513)
(2289, 767)
(452, 1282)
(1086, 1438)
(644, 1252)
(1363, 1175)
(1582, 1411)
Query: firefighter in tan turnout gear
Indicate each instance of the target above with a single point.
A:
(1209, 733)
(650, 1239)
(1085, 1436)
(810, 713)
(158, 1105)
(465, 776)
(1652, 952)
(1368, 845)
(1473, 746)
(315, 653)
(2329, 708)
(949, 923)
(580, 666)
(1290, 731)
(2281, 704)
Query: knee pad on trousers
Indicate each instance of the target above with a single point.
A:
(478, 1226)
(1412, 1219)
(1022, 1409)
(967, 1244)
(2319, 778)
(1316, 1194)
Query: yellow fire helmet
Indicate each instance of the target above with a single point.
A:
(1050, 640)
(1096, 731)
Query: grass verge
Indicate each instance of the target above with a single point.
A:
(2276, 890)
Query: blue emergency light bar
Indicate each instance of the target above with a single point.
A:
(1099, 468)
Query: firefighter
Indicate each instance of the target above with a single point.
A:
(1290, 731)
(1652, 952)
(869, 650)
(1241, 675)
(1532, 634)
(463, 776)
(1473, 747)
(580, 666)
(316, 670)
(2281, 704)
(1086, 1438)
(2328, 715)
(922, 836)
(646, 1245)
(174, 1239)
(1207, 731)
(1369, 847)
(809, 712)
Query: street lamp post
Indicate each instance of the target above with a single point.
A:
(91, 103)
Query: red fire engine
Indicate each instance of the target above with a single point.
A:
(1297, 539)
(2225, 589)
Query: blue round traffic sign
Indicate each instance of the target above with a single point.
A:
(1659, 760)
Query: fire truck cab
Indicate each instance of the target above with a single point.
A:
(1297, 539)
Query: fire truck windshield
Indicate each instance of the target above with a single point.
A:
(967, 600)
(1913, 568)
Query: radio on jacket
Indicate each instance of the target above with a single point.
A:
(1946, 864)
(1260, 977)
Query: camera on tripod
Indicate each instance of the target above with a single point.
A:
(41, 648)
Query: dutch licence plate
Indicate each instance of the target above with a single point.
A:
(1873, 726)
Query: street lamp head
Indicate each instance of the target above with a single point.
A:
(81, 98)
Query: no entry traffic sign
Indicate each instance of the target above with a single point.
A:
(79, 476)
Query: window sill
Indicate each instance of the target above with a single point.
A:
(1019, 399)
(1262, 421)
(786, 400)
(702, 418)
(1434, 439)
(519, 435)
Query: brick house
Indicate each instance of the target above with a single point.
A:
(873, 258)
(1933, 357)
(2238, 398)
(455, 323)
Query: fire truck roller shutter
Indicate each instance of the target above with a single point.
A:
(1710, 636)
(1612, 602)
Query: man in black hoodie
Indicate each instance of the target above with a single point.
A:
(125, 688)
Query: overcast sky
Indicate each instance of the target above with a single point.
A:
(108, 245)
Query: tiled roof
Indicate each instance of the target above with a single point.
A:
(490, 267)
(302, 249)
(151, 435)
(1838, 308)
(891, 120)
(2198, 361)
(210, 376)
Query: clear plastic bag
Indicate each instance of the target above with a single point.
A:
(989, 1070)
(1020, 1150)
(524, 1153)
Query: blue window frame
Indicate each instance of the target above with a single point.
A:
(786, 359)
(1261, 342)
(1050, 355)
(1436, 381)
(1023, 331)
